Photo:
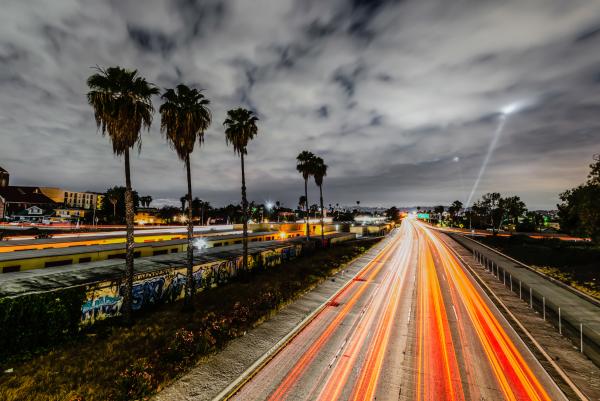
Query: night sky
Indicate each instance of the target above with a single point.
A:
(401, 98)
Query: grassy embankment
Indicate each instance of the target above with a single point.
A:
(115, 363)
(574, 263)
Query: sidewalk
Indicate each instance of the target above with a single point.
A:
(213, 375)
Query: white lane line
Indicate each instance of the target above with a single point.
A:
(337, 354)
(455, 313)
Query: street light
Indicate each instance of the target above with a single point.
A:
(269, 206)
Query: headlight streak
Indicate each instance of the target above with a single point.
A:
(380, 313)
(292, 378)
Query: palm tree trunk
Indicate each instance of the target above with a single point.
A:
(129, 253)
(245, 217)
(189, 287)
(306, 207)
(322, 232)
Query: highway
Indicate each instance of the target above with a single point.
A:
(412, 325)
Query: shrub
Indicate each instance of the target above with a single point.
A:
(36, 321)
(135, 382)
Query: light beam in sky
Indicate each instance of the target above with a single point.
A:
(505, 112)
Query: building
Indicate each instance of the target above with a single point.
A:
(33, 214)
(70, 214)
(15, 199)
(148, 215)
(4, 178)
(73, 199)
(84, 200)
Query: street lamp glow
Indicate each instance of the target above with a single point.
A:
(200, 244)
(269, 205)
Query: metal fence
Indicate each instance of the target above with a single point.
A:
(566, 321)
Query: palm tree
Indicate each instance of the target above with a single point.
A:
(145, 200)
(183, 200)
(122, 103)
(320, 171)
(240, 129)
(114, 199)
(184, 118)
(305, 167)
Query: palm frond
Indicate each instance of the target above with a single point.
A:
(240, 129)
(185, 116)
(122, 103)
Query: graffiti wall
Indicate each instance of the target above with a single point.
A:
(105, 299)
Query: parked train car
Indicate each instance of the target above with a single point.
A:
(60, 256)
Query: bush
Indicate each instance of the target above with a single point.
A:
(135, 382)
(36, 321)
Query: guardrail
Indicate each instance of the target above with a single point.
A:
(565, 320)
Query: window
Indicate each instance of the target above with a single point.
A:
(160, 252)
(11, 269)
(55, 263)
(85, 259)
(116, 256)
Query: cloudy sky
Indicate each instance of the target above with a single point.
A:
(401, 98)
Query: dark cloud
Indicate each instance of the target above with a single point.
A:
(151, 41)
(401, 98)
(588, 34)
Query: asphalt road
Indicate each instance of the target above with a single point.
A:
(412, 325)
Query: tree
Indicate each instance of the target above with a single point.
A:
(439, 210)
(512, 208)
(320, 171)
(183, 201)
(169, 213)
(489, 203)
(240, 129)
(122, 103)
(113, 199)
(301, 201)
(454, 208)
(185, 116)
(145, 200)
(278, 208)
(113, 204)
(305, 166)
(200, 208)
(393, 214)
(579, 212)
